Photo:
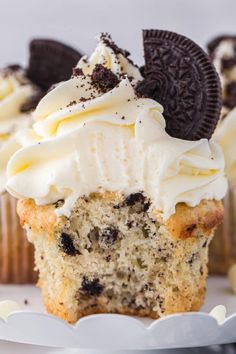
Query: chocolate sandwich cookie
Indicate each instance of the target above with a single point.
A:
(51, 62)
(180, 76)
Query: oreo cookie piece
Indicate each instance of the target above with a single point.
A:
(104, 79)
(142, 70)
(180, 76)
(13, 68)
(10, 69)
(50, 62)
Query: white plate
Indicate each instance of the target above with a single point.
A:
(33, 326)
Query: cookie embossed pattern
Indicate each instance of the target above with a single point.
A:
(178, 75)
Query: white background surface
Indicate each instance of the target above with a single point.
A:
(78, 21)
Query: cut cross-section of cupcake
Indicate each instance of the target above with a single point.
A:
(121, 214)
(130, 261)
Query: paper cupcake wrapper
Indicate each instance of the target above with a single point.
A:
(223, 247)
(16, 253)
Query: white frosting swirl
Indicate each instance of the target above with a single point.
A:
(14, 91)
(109, 55)
(110, 141)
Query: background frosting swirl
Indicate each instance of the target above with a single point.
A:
(15, 90)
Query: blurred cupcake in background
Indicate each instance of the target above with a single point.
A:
(223, 249)
(18, 95)
(20, 90)
(222, 50)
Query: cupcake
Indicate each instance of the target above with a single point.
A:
(120, 203)
(20, 91)
(223, 248)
